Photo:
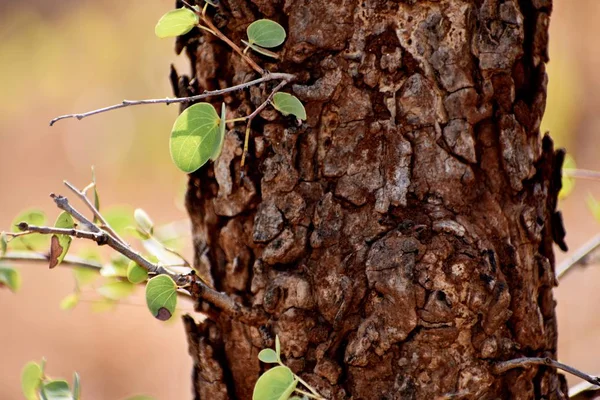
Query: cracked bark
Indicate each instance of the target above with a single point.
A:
(400, 240)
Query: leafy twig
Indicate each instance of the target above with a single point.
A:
(579, 256)
(128, 103)
(502, 367)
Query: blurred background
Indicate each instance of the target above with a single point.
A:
(71, 56)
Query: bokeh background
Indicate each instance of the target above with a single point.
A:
(66, 56)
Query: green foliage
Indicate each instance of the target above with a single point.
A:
(31, 378)
(116, 268)
(176, 22)
(135, 273)
(119, 217)
(268, 356)
(278, 383)
(59, 245)
(85, 276)
(288, 104)
(11, 278)
(161, 297)
(57, 390)
(116, 290)
(266, 33)
(143, 221)
(195, 137)
(70, 302)
(34, 241)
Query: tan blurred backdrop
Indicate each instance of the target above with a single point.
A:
(70, 56)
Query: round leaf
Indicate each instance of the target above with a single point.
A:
(69, 302)
(57, 390)
(221, 139)
(143, 220)
(116, 290)
(135, 273)
(266, 33)
(276, 384)
(35, 241)
(59, 245)
(195, 137)
(175, 23)
(268, 356)
(288, 104)
(161, 297)
(31, 377)
(10, 278)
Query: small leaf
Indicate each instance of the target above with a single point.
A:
(135, 273)
(31, 378)
(161, 297)
(176, 22)
(288, 104)
(143, 220)
(10, 278)
(268, 356)
(119, 217)
(85, 276)
(194, 137)
(277, 347)
(59, 245)
(116, 290)
(69, 302)
(35, 241)
(260, 50)
(221, 139)
(57, 390)
(3, 244)
(76, 387)
(266, 33)
(276, 384)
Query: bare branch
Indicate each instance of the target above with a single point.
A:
(30, 256)
(128, 103)
(579, 256)
(502, 367)
(95, 236)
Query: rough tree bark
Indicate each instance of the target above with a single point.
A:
(400, 240)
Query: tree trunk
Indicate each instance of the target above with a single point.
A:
(400, 239)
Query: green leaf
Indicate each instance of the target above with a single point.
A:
(176, 22)
(288, 104)
(268, 356)
(76, 387)
(119, 217)
(116, 268)
(276, 384)
(135, 273)
(143, 220)
(59, 245)
(266, 33)
(35, 241)
(3, 244)
(260, 50)
(195, 137)
(31, 378)
(221, 138)
(85, 276)
(57, 390)
(137, 232)
(116, 290)
(10, 278)
(568, 183)
(161, 297)
(69, 302)
(277, 347)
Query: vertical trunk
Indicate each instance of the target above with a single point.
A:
(400, 240)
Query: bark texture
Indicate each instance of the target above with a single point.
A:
(400, 240)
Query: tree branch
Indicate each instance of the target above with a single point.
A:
(29, 256)
(128, 103)
(95, 236)
(502, 367)
(579, 256)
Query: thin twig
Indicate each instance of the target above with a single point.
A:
(82, 195)
(255, 113)
(581, 174)
(30, 256)
(128, 103)
(579, 256)
(46, 230)
(502, 367)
